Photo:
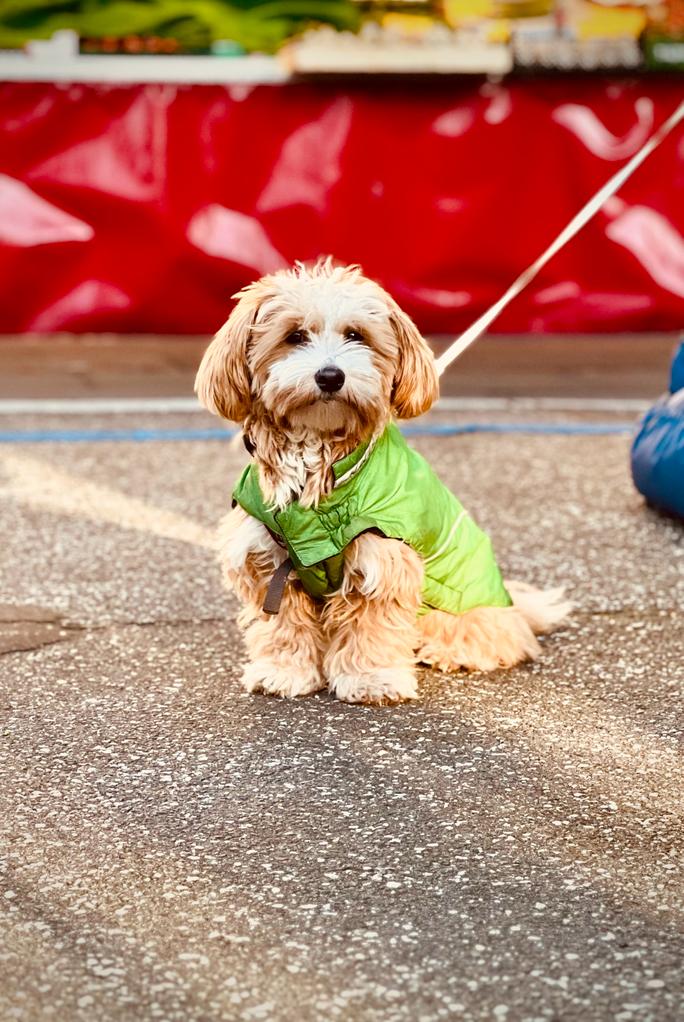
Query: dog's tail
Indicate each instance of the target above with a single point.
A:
(543, 609)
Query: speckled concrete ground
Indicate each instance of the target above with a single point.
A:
(510, 848)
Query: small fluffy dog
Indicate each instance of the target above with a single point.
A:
(352, 561)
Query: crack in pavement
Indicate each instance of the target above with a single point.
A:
(23, 634)
(27, 627)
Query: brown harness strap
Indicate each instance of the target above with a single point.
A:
(276, 587)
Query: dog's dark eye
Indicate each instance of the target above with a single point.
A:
(296, 337)
(353, 335)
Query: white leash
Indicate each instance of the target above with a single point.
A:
(569, 232)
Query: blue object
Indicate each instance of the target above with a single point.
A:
(658, 448)
(677, 377)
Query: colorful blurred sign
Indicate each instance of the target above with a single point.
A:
(371, 36)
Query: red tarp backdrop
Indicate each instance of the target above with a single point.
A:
(143, 208)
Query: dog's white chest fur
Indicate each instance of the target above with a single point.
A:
(299, 470)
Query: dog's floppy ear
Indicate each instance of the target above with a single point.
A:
(222, 383)
(416, 384)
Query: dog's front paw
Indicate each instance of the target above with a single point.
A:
(274, 680)
(382, 686)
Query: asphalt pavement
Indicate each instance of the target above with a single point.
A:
(508, 848)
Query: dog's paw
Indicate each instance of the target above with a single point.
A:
(379, 687)
(273, 680)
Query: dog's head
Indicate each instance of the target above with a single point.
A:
(322, 348)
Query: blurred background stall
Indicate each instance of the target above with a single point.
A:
(156, 156)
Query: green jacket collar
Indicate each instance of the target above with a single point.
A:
(347, 467)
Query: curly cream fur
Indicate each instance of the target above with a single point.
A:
(364, 641)
(370, 625)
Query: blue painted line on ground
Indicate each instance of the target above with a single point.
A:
(38, 436)
(545, 428)
(136, 436)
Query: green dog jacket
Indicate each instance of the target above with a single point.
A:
(386, 487)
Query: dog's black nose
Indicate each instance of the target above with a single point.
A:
(329, 379)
